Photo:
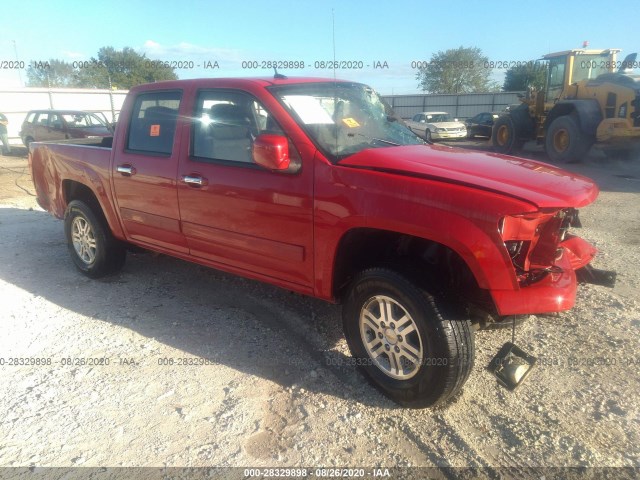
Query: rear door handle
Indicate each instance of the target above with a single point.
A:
(194, 180)
(126, 170)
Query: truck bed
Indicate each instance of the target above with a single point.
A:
(54, 164)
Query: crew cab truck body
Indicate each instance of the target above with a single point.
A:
(314, 186)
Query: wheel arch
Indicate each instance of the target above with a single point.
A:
(587, 113)
(75, 190)
(363, 247)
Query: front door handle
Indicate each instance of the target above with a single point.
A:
(126, 170)
(194, 180)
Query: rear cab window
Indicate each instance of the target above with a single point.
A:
(153, 123)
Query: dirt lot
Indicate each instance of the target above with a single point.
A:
(261, 387)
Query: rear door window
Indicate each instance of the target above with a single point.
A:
(153, 122)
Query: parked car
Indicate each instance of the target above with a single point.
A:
(436, 126)
(45, 125)
(312, 185)
(481, 124)
(512, 107)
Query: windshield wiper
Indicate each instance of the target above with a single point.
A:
(375, 139)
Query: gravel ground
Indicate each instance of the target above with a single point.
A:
(256, 377)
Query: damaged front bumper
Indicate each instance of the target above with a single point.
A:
(580, 253)
(556, 291)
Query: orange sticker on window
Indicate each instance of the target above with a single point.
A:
(350, 122)
(154, 131)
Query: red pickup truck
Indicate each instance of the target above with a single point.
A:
(316, 186)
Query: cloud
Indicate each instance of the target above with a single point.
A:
(189, 51)
(73, 55)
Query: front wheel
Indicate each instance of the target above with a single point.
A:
(416, 350)
(92, 247)
(564, 141)
(427, 136)
(504, 135)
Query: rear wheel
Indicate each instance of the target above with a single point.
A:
(92, 247)
(415, 349)
(565, 142)
(504, 136)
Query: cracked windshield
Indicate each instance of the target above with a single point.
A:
(345, 118)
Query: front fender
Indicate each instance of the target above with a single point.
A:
(461, 218)
(489, 263)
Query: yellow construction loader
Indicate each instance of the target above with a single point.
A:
(590, 97)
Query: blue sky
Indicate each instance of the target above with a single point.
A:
(231, 32)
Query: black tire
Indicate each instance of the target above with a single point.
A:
(90, 228)
(427, 136)
(27, 142)
(470, 134)
(504, 136)
(564, 141)
(444, 337)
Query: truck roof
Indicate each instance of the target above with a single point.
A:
(237, 82)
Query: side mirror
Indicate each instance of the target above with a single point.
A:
(271, 151)
(455, 119)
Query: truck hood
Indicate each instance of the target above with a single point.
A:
(538, 183)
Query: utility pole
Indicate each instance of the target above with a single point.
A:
(15, 50)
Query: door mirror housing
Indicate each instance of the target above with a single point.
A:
(271, 151)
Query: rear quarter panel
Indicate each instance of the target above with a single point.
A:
(52, 164)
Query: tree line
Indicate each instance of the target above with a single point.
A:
(468, 70)
(453, 71)
(111, 68)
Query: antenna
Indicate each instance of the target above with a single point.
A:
(333, 27)
(335, 82)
